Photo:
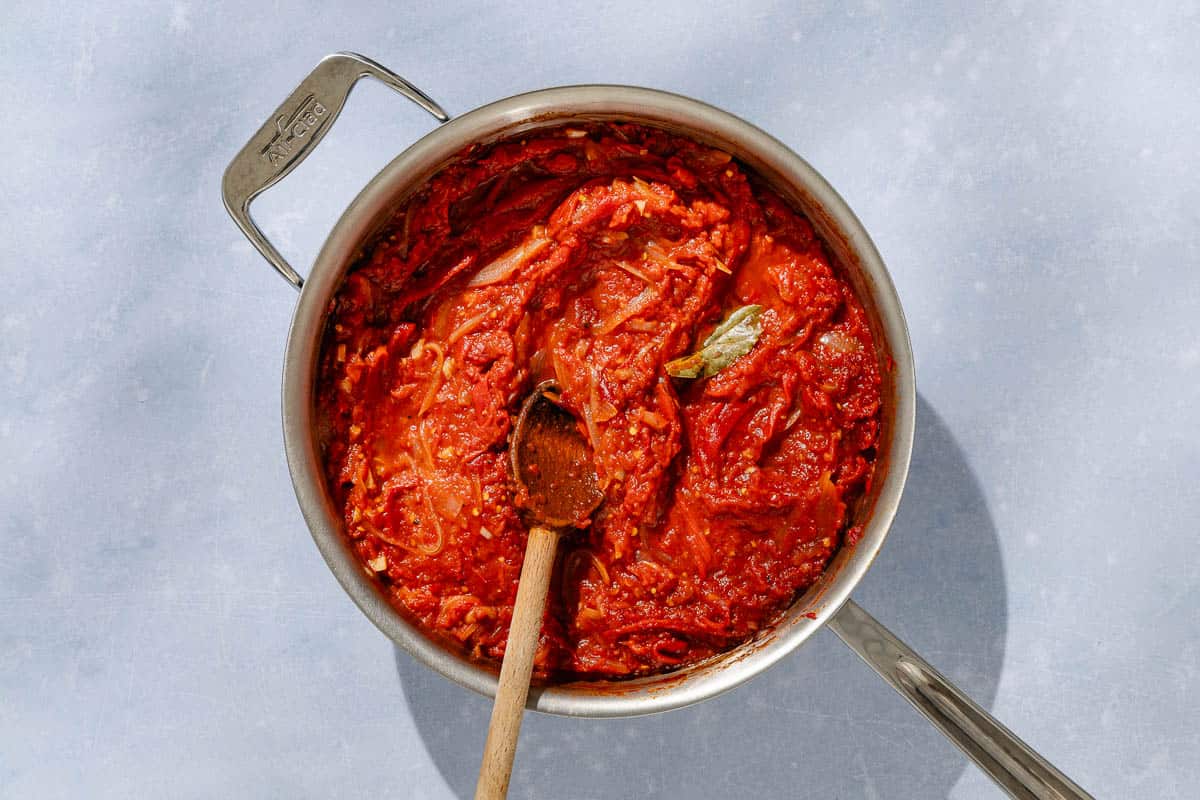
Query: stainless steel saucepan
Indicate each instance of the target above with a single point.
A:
(299, 125)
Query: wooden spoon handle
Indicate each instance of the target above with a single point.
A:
(513, 690)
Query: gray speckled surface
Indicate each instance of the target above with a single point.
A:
(166, 626)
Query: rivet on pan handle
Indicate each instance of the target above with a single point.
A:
(293, 131)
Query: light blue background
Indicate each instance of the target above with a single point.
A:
(167, 628)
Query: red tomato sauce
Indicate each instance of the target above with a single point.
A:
(594, 255)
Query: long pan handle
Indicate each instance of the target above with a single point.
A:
(1011, 763)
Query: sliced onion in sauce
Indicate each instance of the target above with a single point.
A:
(511, 261)
(839, 342)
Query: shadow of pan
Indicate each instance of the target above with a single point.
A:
(820, 723)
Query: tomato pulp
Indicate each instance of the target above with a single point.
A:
(595, 255)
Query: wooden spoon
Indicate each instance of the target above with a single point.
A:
(557, 489)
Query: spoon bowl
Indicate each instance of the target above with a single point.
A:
(552, 463)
